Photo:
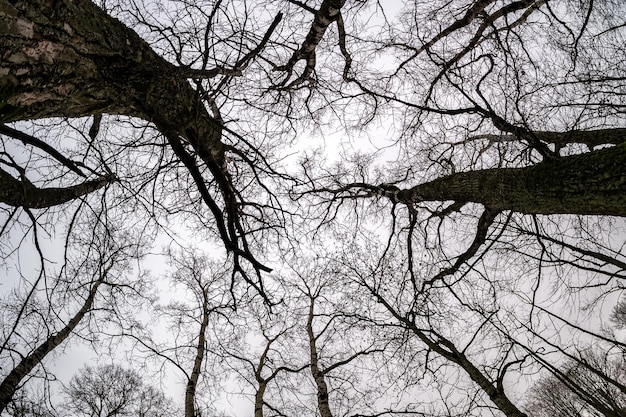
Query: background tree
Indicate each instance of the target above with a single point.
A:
(111, 390)
(577, 390)
(337, 344)
(197, 317)
(24, 405)
(267, 359)
(43, 314)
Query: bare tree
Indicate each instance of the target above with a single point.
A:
(111, 390)
(475, 198)
(116, 52)
(43, 315)
(576, 390)
(268, 359)
(24, 405)
(197, 321)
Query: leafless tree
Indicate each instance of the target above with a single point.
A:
(576, 390)
(475, 198)
(197, 320)
(41, 315)
(24, 405)
(267, 358)
(111, 390)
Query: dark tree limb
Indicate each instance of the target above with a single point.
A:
(445, 348)
(192, 382)
(591, 138)
(16, 193)
(588, 184)
(317, 373)
(328, 13)
(592, 183)
(482, 229)
(82, 62)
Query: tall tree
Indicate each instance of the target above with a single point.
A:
(47, 312)
(576, 390)
(73, 52)
(197, 321)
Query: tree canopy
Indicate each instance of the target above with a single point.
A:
(334, 207)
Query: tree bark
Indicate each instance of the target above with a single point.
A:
(258, 375)
(258, 399)
(591, 138)
(192, 382)
(18, 193)
(68, 58)
(12, 381)
(318, 375)
(587, 184)
(328, 13)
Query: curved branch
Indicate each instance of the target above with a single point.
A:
(33, 141)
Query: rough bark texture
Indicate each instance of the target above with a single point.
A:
(327, 13)
(18, 193)
(68, 58)
(590, 183)
(12, 381)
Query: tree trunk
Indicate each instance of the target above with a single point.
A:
(70, 59)
(192, 383)
(12, 381)
(316, 372)
(258, 399)
(587, 184)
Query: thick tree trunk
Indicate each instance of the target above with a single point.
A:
(69, 58)
(591, 138)
(258, 399)
(589, 183)
(12, 381)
